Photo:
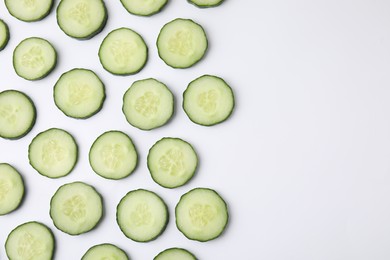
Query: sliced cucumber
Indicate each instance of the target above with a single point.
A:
(105, 252)
(144, 8)
(142, 215)
(4, 34)
(208, 100)
(148, 104)
(123, 52)
(53, 153)
(76, 208)
(31, 240)
(11, 189)
(79, 93)
(172, 162)
(29, 10)
(206, 3)
(81, 19)
(34, 58)
(201, 214)
(182, 43)
(175, 253)
(113, 155)
(17, 114)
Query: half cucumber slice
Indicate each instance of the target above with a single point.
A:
(34, 58)
(148, 104)
(31, 240)
(81, 19)
(11, 189)
(17, 114)
(175, 253)
(79, 93)
(76, 208)
(142, 7)
(142, 215)
(172, 162)
(29, 10)
(105, 252)
(53, 153)
(206, 3)
(201, 214)
(4, 34)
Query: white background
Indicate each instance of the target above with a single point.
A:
(304, 161)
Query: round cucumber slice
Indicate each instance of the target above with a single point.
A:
(182, 43)
(11, 189)
(105, 252)
(201, 214)
(123, 52)
(206, 3)
(31, 240)
(17, 114)
(113, 155)
(53, 153)
(142, 7)
(172, 162)
(4, 34)
(148, 104)
(79, 93)
(29, 10)
(142, 215)
(208, 100)
(81, 19)
(175, 253)
(76, 208)
(34, 58)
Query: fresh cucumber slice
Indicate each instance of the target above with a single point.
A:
(105, 252)
(113, 155)
(76, 208)
(81, 19)
(144, 8)
(123, 52)
(11, 189)
(4, 34)
(172, 162)
(53, 153)
(175, 253)
(208, 100)
(206, 3)
(17, 114)
(34, 58)
(142, 215)
(31, 240)
(79, 93)
(148, 104)
(182, 43)
(29, 10)
(201, 214)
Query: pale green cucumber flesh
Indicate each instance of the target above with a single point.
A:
(142, 7)
(28, 10)
(11, 189)
(206, 3)
(175, 253)
(105, 251)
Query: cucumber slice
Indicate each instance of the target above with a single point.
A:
(34, 58)
(208, 100)
(113, 155)
(206, 3)
(31, 240)
(79, 93)
(17, 114)
(29, 10)
(4, 34)
(81, 19)
(76, 208)
(201, 214)
(11, 189)
(148, 104)
(144, 8)
(142, 215)
(182, 43)
(175, 254)
(105, 252)
(172, 162)
(123, 52)
(53, 153)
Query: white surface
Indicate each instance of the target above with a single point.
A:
(304, 162)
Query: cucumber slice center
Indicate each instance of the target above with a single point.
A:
(33, 58)
(181, 43)
(201, 215)
(172, 162)
(8, 113)
(148, 104)
(29, 246)
(208, 101)
(79, 93)
(80, 13)
(5, 187)
(75, 208)
(123, 52)
(52, 153)
(113, 155)
(141, 216)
